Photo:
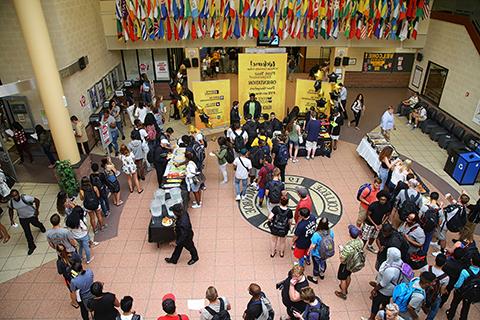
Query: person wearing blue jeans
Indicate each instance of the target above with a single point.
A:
(77, 224)
(318, 253)
(109, 120)
(242, 166)
(431, 209)
(439, 287)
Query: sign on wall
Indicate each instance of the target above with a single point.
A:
(264, 75)
(214, 97)
(387, 62)
(305, 95)
(161, 70)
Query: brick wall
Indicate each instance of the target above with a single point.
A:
(450, 46)
(376, 79)
(76, 30)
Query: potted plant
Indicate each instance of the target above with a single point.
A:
(66, 178)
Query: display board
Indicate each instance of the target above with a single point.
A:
(264, 75)
(214, 97)
(388, 62)
(305, 95)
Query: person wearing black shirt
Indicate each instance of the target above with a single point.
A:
(275, 123)
(336, 123)
(250, 127)
(387, 238)
(158, 156)
(103, 304)
(184, 235)
(291, 288)
(252, 107)
(453, 267)
(377, 214)
(234, 114)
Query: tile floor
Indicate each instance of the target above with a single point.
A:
(232, 254)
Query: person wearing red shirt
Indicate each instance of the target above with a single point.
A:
(304, 202)
(368, 196)
(262, 178)
(168, 305)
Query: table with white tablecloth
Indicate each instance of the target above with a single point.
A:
(367, 152)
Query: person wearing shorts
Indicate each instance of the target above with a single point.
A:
(336, 122)
(347, 252)
(377, 214)
(313, 130)
(368, 196)
(262, 178)
(303, 233)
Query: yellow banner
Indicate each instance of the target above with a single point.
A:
(305, 95)
(214, 98)
(264, 75)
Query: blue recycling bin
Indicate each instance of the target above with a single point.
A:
(467, 168)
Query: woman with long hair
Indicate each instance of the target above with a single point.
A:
(65, 262)
(129, 168)
(386, 164)
(45, 141)
(221, 155)
(21, 141)
(280, 220)
(319, 258)
(90, 195)
(193, 185)
(64, 204)
(294, 132)
(112, 182)
(77, 224)
(357, 107)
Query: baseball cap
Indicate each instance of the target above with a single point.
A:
(354, 231)
(168, 296)
(243, 151)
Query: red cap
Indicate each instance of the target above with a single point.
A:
(168, 296)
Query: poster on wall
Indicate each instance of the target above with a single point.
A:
(100, 92)
(161, 70)
(403, 62)
(476, 116)
(305, 95)
(214, 97)
(378, 62)
(92, 93)
(264, 75)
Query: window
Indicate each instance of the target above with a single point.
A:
(435, 81)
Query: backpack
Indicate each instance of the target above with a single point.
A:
(222, 314)
(406, 273)
(199, 153)
(356, 262)
(238, 142)
(151, 133)
(429, 220)
(433, 291)
(230, 156)
(267, 309)
(471, 287)
(408, 206)
(363, 187)
(97, 182)
(251, 129)
(323, 311)
(403, 293)
(280, 223)
(275, 193)
(257, 155)
(327, 247)
(458, 220)
(282, 154)
(90, 199)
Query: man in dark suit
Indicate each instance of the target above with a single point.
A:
(234, 114)
(184, 236)
(253, 107)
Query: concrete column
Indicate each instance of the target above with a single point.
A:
(35, 32)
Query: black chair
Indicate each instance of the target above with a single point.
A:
(456, 136)
(446, 128)
(467, 144)
(431, 114)
(439, 119)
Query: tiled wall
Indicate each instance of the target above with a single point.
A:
(75, 30)
(450, 46)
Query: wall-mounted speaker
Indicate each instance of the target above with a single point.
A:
(195, 62)
(419, 56)
(345, 61)
(187, 63)
(337, 62)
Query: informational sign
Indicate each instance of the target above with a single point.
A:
(388, 62)
(161, 70)
(104, 135)
(214, 97)
(264, 75)
(305, 95)
(83, 101)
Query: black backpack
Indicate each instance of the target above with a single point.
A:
(275, 191)
(282, 154)
(458, 220)
(256, 155)
(222, 314)
(433, 291)
(280, 223)
(471, 287)
(429, 220)
(96, 181)
(199, 153)
(408, 206)
(230, 156)
(238, 142)
(323, 311)
(474, 215)
(90, 200)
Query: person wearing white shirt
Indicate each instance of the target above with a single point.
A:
(343, 100)
(407, 105)
(192, 184)
(438, 289)
(417, 116)
(242, 167)
(126, 305)
(141, 112)
(387, 123)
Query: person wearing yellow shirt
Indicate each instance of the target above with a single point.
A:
(262, 136)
